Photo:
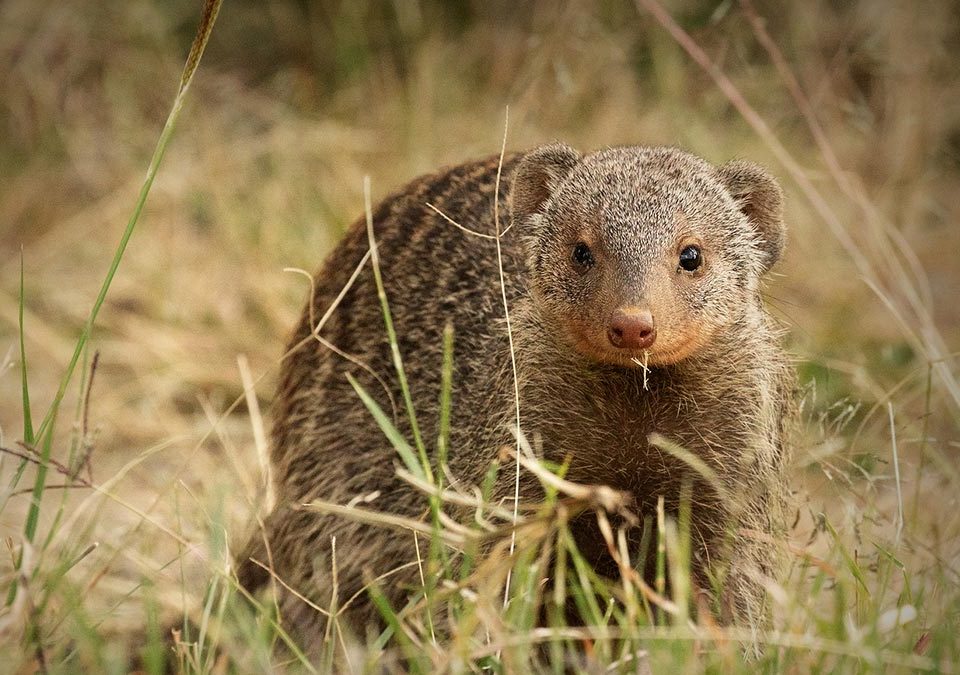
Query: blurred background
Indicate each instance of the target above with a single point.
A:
(296, 101)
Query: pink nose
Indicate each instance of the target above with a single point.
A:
(632, 329)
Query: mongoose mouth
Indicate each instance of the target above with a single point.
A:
(660, 353)
(660, 356)
(631, 340)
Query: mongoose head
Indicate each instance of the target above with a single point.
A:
(644, 254)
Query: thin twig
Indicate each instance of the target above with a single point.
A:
(32, 456)
(316, 327)
(513, 357)
(259, 435)
(458, 225)
(896, 473)
(85, 441)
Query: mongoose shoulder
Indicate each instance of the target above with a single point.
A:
(632, 277)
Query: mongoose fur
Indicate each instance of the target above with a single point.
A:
(628, 254)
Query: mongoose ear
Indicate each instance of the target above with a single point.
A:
(761, 200)
(538, 175)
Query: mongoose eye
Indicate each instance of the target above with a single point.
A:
(690, 258)
(582, 256)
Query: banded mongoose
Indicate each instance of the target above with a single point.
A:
(622, 257)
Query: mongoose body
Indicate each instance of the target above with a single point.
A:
(623, 257)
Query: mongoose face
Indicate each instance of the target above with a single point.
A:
(641, 255)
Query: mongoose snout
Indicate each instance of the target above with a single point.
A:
(632, 328)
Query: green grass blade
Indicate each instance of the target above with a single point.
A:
(660, 582)
(413, 655)
(28, 436)
(45, 432)
(446, 396)
(210, 11)
(437, 551)
(393, 434)
(33, 515)
(679, 554)
(582, 587)
(847, 558)
(392, 335)
(27, 416)
(153, 653)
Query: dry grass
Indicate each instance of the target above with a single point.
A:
(293, 107)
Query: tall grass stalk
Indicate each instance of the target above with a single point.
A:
(44, 435)
(392, 335)
(24, 375)
(45, 431)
